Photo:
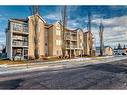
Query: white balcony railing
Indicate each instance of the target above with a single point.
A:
(20, 44)
(71, 46)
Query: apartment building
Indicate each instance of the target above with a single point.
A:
(17, 39)
(74, 42)
(24, 43)
(20, 38)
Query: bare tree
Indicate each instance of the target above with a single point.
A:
(89, 31)
(101, 28)
(35, 13)
(64, 24)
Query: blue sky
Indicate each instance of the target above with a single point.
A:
(114, 19)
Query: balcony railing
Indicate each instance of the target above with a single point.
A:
(67, 37)
(71, 38)
(71, 46)
(20, 38)
(20, 44)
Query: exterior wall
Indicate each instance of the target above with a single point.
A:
(57, 36)
(15, 41)
(31, 46)
(80, 42)
(55, 46)
(108, 51)
(50, 41)
(125, 51)
(9, 44)
(88, 44)
(46, 41)
(41, 38)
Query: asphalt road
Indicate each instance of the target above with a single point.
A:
(112, 75)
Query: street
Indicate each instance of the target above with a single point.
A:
(96, 75)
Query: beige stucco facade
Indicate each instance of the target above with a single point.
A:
(40, 37)
(108, 51)
(47, 40)
(55, 40)
(88, 44)
(74, 42)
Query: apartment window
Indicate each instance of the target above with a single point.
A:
(58, 32)
(17, 27)
(25, 28)
(25, 52)
(80, 44)
(25, 57)
(20, 27)
(46, 44)
(58, 27)
(25, 39)
(58, 42)
(80, 36)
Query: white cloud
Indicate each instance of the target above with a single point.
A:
(53, 16)
(115, 30)
(76, 23)
(72, 24)
(116, 21)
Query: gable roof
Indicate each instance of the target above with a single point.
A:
(39, 17)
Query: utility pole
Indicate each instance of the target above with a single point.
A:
(35, 13)
(101, 28)
(64, 24)
(89, 31)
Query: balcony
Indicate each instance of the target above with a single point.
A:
(20, 38)
(20, 44)
(20, 32)
(67, 37)
(71, 46)
(73, 38)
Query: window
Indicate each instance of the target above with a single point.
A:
(25, 52)
(17, 27)
(45, 44)
(25, 28)
(80, 44)
(20, 27)
(80, 36)
(58, 42)
(58, 27)
(58, 32)
(38, 29)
